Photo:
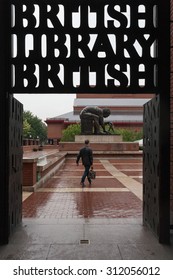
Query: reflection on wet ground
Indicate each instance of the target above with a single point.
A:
(108, 197)
(108, 215)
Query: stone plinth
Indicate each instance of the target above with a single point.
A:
(98, 138)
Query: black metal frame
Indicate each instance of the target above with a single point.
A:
(162, 88)
(164, 137)
(4, 119)
(79, 57)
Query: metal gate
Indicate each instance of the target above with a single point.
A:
(15, 163)
(11, 192)
(156, 189)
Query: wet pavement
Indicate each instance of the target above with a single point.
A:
(63, 197)
(107, 217)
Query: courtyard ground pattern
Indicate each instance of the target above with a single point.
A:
(63, 197)
(107, 215)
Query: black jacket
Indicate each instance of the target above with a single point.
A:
(87, 156)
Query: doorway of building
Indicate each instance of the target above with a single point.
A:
(125, 165)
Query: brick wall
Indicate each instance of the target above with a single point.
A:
(29, 148)
(29, 173)
(113, 109)
(106, 147)
(171, 104)
(112, 95)
(54, 130)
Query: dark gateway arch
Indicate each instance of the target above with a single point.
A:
(115, 46)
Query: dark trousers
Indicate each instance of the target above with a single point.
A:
(85, 174)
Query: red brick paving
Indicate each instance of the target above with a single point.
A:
(129, 166)
(84, 204)
(78, 205)
(133, 173)
(75, 183)
(65, 174)
(125, 160)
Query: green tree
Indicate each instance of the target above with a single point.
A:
(130, 135)
(34, 127)
(26, 129)
(68, 134)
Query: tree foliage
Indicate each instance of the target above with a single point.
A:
(26, 128)
(68, 134)
(128, 135)
(33, 127)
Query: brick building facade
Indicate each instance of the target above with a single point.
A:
(126, 112)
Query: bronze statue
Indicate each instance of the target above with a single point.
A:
(110, 126)
(92, 118)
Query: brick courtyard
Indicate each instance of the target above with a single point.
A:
(115, 193)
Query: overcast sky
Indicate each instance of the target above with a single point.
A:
(46, 105)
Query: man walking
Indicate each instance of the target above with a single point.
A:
(87, 160)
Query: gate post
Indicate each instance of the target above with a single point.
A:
(4, 118)
(157, 138)
(164, 91)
